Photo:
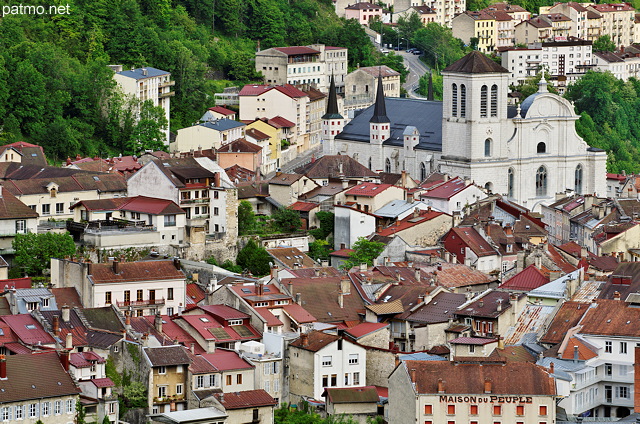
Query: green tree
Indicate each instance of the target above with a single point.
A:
(604, 44)
(408, 26)
(319, 249)
(149, 130)
(440, 47)
(81, 414)
(135, 395)
(436, 82)
(395, 62)
(254, 258)
(246, 218)
(34, 251)
(287, 220)
(106, 420)
(531, 85)
(364, 251)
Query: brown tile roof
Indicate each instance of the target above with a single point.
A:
(363, 5)
(291, 255)
(611, 318)
(316, 340)
(246, 399)
(285, 179)
(386, 308)
(382, 70)
(585, 350)
(515, 354)
(506, 379)
(329, 167)
(625, 280)
(442, 307)
(35, 376)
(474, 241)
(568, 316)
(507, 7)
(256, 134)
(135, 271)
(320, 298)
(166, 355)
(13, 208)
(537, 23)
(556, 17)
(239, 145)
(79, 182)
(67, 296)
(314, 94)
(487, 306)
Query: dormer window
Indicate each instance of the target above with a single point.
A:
(53, 192)
(235, 322)
(509, 248)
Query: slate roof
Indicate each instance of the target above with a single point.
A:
(135, 271)
(528, 279)
(475, 63)
(426, 116)
(166, 355)
(382, 70)
(246, 399)
(317, 340)
(138, 74)
(506, 379)
(13, 208)
(329, 167)
(103, 318)
(22, 383)
(568, 316)
(537, 23)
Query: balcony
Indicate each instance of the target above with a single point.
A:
(199, 200)
(168, 399)
(216, 236)
(166, 84)
(140, 303)
(167, 94)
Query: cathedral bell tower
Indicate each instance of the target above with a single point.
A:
(332, 121)
(379, 129)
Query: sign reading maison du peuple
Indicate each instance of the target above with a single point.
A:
(487, 399)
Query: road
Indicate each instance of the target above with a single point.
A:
(417, 68)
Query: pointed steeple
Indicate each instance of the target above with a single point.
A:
(379, 108)
(332, 103)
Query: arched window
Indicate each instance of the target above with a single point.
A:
(541, 182)
(454, 100)
(483, 101)
(370, 167)
(578, 182)
(542, 148)
(510, 182)
(494, 101)
(387, 165)
(423, 171)
(463, 101)
(487, 147)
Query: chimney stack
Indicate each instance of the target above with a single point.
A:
(487, 386)
(290, 287)
(158, 322)
(616, 295)
(69, 341)
(299, 298)
(341, 299)
(274, 271)
(636, 379)
(440, 386)
(3, 367)
(56, 326)
(416, 273)
(551, 368)
(576, 355)
(413, 375)
(345, 285)
(176, 263)
(304, 339)
(127, 321)
(116, 266)
(64, 359)
(66, 313)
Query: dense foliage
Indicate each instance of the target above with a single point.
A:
(610, 120)
(254, 258)
(364, 252)
(34, 251)
(286, 220)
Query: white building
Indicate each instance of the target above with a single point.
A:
(527, 153)
(147, 84)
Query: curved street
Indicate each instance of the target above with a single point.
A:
(416, 68)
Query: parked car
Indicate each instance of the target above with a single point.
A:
(417, 52)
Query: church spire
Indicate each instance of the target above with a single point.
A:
(332, 103)
(379, 108)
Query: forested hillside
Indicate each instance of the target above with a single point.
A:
(56, 90)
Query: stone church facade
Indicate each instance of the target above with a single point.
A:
(526, 153)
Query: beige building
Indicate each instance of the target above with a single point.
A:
(534, 30)
(359, 403)
(517, 13)
(370, 197)
(360, 86)
(37, 387)
(561, 25)
(207, 135)
(312, 64)
(480, 25)
(168, 366)
(286, 188)
(577, 14)
(15, 218)
(594, 26)
(437, 392)
(147, 84)
(618, 21)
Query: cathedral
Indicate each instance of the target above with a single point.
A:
(527, 153)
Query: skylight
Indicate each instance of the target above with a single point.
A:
(30, 327)
(203, 319)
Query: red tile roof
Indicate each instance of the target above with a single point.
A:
(224, 312)
(585, 352)
(280, 122)
(316, 340)
(142, 204)
(304, 206)
(256, 134)
(409, 222)
(246, 399)
(135, 271)
(342, 253)
(295, 50)
(103, 382)
(176, 333)
(271, 319)
(367, 189)
(16, 283)
(613, 7)
(239, 145)
(85, 359)
(290, 91)
(28, 330)
(446, 190)
(611, 318)
(11, 207)
(365, 328)
(298, 313)
(221, 110)
(210, 328)
(526, 280)
(195, 294)
(567, 317)
(226, 360)
(473, 240)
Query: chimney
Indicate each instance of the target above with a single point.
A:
(379, 229)
(127, 321)
(416, 212)
(345, 285)
(304, 339)
(487, 386)
(64, 359)
(508, 230)
(440, 386)
(616, 295)
(172, 406)
(116, 266)
(363, 267)
(345, 183)
(385, 261)
(513, 299)
(176, 263)
(68, 161)
(274, 271)
(158, 322)
(3, 367)
(583, 252)
(56, 325)
(576, 355)
(416, 273)
(290, 287)
(66, 312)
(193, 348)
(299, 298)
(413, 375)
(216, 179)
(259, 288)
(397, 358)
(324, 263)
(69, 341)
(404, 179)
(316, 272)
(501, 343)
(341, 299)
(480, 303)
(551, 368)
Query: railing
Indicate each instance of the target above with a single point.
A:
(167, 84)
(216, 236)
(167, 94)
(198, 200)
(140, 303)
(116, 229)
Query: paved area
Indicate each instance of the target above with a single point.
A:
(417, 68)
